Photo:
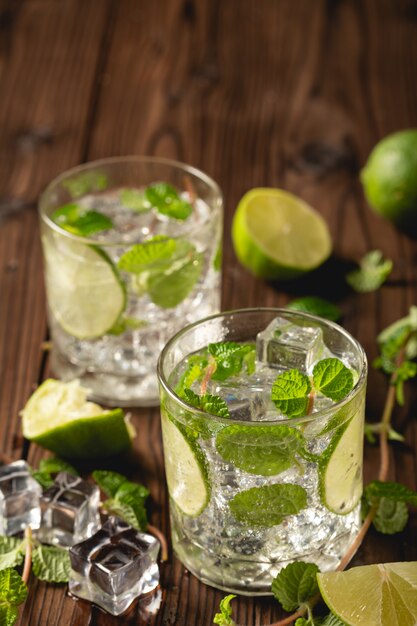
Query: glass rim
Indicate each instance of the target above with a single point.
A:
(185, 167)
(282, 421)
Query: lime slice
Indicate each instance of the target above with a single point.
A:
(373, 595)
(340, 468)
(185, 467)
(279, 236)
(85, 293)
(58, 417)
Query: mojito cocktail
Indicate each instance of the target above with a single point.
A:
(132, 250)
(262, 421)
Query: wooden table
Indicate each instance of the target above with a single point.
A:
(284, 93)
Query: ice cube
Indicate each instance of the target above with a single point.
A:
(284, 345)
(19, 498)
(114, 566)
(69, 511)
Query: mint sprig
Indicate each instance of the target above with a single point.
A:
(316, 306)
(224, 618)
(167, 201)
(125, 498)
(49, 467)
(295, 585)
(373, 271)
(207, 402)
(13, 592)
(391, 500)
(230, 357)
(80, 221)
(290, 393)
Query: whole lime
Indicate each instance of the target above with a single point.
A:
(389, 178)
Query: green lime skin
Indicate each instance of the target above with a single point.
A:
(389, 179)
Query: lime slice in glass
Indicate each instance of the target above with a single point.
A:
(372, 595)
(186, 468)
(58, 417)
(85, 292)
(340, 468)
(277, 235)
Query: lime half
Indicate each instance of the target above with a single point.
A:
(277, 235)
(85, 293)
(186, 469)
(58, 417)
(373, 595)
(340, 468)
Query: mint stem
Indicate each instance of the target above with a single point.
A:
(189, 188)
(28, 555)
(160, 535)
(211, 368)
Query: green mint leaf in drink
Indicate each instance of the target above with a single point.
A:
(44, 478)
(196, 366)
(135, 200)
(167, 201)
(85, 183)
(54, 465)
(80, 221)
(109, 482)
(207, 402)
(51, 563)
(126, 323)
(268, 505)
(144, 255)
(393, 491)
(290, 393)
(167, 289)
(333, 379)
(11, 552)
(295, 584)
(13, 592)
(224, 618)
(391, 516)
(373, 271)
(316, 306)
(230, 358)
(276, 447)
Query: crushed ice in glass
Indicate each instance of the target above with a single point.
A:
(19, 498)
(284, 345)
(69, 511)
(114, 566)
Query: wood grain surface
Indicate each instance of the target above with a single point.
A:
(283, 93)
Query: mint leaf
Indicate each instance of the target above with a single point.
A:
(295, 584)
(391, 516)
(124, 324)
(142, 256)
(392, 491)
(211, 404)
(44, 478)
(268, 505)
(54, 465)
(51, 563)
(135, 200)
(406, 371)
(196, 365)
(332, 620)
(275, 447)
(218, 258)
(372, 273)
(333, 379)
(80, 221)
(109, 482)
(85, 183)
(398, 332)
(13, 592)
(290, 393)
(224, 618)
(128, 488)
(316, 306)
(167, 201)
(171, 287)
(11, 552)
(125, 511)
(230, 357)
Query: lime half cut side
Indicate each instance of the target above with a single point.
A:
(85, 293)
(340, 468)
(185, 468)
(373, 595)
(58, 417)
(277, 235)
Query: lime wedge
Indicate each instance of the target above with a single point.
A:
(58, 417)
(340, 468)
(85, 292)
(277, 235)
(185, 467)
(373, 595)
